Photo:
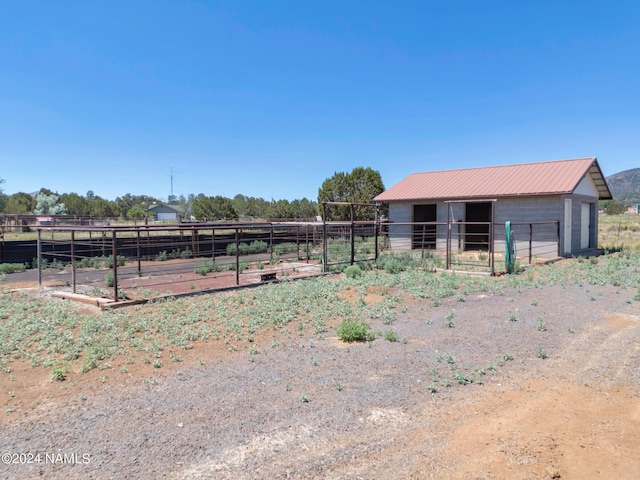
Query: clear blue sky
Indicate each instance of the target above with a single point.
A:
(270, 98)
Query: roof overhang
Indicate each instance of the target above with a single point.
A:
(600, 182)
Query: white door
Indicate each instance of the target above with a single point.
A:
(585, 225)
(567, 225)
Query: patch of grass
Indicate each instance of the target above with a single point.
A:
(391, 336)
(542, 327)
(59, 372)
(448, 320)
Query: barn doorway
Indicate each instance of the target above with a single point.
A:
(477, 225)
(424, 236)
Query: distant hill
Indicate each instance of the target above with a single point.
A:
(625, 186)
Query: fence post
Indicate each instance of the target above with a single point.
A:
(39, 262)
(237, 258)
(114, 253)
(353, 243)
(530, 241)
(492, 237)
(306, 240)
(375, 235)
(325, 238)
(138, 251)
(271, 242)
(213, 245)
(73, 261)
(448, 246)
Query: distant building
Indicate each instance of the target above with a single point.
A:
(44, 220)
(167, 213)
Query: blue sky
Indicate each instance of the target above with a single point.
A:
(270, 98)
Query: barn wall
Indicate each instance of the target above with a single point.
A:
(516, 209)
(577, 201)
(530, 209)
(400, 235)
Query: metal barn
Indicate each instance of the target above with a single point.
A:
(557, 201)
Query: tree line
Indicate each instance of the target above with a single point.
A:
(360, 185)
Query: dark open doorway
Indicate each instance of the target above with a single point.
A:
(477, 234)
(424, 236)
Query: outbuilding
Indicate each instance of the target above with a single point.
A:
(466, 203)
(163, 212)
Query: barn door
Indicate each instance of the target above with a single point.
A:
(568, 223)
(477, 222)
(585, 225)
(424, 236)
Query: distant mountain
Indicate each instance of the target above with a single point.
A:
(625, 186)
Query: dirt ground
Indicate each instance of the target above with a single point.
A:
(319, 408)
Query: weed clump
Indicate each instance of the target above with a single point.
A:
(353, 271)
(352, 331)
(12, 267)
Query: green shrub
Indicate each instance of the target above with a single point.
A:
(121, 259)
(352, 331)
(204, 267)
(59, 372)
(287, 247)
(257, 246)
(395, 263)
(353, 271)
(12, 267)
(90, 262)
(108, 279)
(162, 256)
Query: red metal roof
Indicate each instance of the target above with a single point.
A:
(541, 178)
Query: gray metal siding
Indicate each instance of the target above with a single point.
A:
(514, 209)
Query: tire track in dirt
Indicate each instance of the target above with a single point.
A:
(575, 416)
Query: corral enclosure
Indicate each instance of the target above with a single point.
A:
(134, 263)
(150, 261)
